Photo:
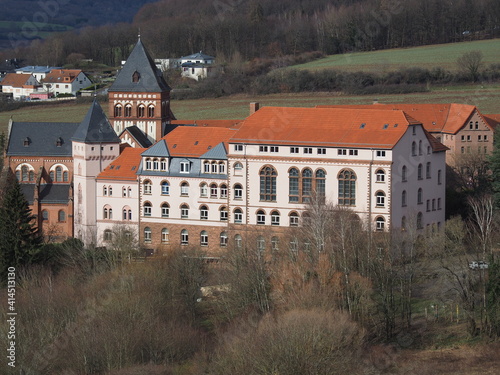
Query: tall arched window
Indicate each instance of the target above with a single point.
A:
(223, 239)
(165, 210)
(420, 198)
(306, 185)
(151, 111)
(128, 110)
(147, 234)
(118, 110)
(347, 188)
(204, 238)
(61, 217)
(268, 184)
(414, 148)
(403, 199)
(428, 170)
(320, 183)
(58, 174)
(420, 172)
(404, 173)
(164, 235)
(420, 148)
(293, 185)
(141, 111)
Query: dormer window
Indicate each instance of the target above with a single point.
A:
(136, 77)
(184, 167)
(59, 142)
(26, 142)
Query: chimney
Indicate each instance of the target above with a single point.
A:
(254, 107)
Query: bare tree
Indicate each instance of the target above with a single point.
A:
(482, 221)
(470, 62)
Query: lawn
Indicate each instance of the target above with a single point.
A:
(442, 55)
(485, 97)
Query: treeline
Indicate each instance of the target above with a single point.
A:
(265, 28)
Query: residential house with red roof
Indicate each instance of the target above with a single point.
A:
(65, 81)
(19, 85)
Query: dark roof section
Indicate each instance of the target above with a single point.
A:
(50, 193)
(159, 149)
(41, 138)
(139, 74)
(95, 127)
(138, 135)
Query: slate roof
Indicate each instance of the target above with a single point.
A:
(327, 127)
(95, 127)
(150, 77)
(159, 149)
(219, 152)
(198, 56)
(49, 193)
(42, 138)
(36, 69)
(138, 135)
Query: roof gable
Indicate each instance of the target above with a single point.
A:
(219, 152)
(19, 80)
(95, 127)
(139, 74)
(136, 133)
(159, 149)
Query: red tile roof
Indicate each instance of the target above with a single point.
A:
(209, 123)
(61, 76)
(16, 80)
(124, 167)
(493, 120)
(448, 118)
(194, 141)
(329, 127)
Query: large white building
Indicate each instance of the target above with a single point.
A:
(207, 186)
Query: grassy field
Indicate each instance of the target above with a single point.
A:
(486, 98)
(443, 55)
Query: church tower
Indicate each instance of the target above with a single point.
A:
(140, 96)
(95, 145)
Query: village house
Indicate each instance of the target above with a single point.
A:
(65, 81)
(20, 86)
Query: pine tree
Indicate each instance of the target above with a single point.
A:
(20, 240)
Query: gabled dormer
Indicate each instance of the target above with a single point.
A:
(156, 158)
(214, 160)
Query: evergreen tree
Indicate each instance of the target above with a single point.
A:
(494, 162)
(20, 240)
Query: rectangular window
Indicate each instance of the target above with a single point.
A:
(238, 147)
(223, 191)
(293, 189)
(261, 219)
(468, 138)
(485, 138)
(263, 149)
(294, 150)
(380, 153)
(353, 152)
(275, 149)
(463, 138)
(184, 213)
(308, 150)
(341, 151)
(185, 167)
(321, 151)
(479, 138)
(428, 204)
(204, 214)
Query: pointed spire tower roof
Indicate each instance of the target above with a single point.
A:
(95, 127)
(139, 74)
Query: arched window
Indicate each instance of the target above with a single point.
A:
(420, 197)
(223, 213)
(403, 199)
(164, 235)
(118, 110)
(203, 212)
(147, 209)
(128, 110)
(163, 164)
(214, 191)
(58, 174)
(61, 217)
(45, 215)
(107, 235)
(347, 188)
(206, 167)
(24, 173)
(156, 164)
(147, 234)
(414, 148)
(380, 223)
(223, 239)
(275, 218)
(238, 166)
(148, 164)
(419, 172)
(141, 111)
(380, 199)
(203, 190)
(268, 184)
(165, 210)
(184, 211)
(222, 167)
(293, 185)
(184, 188)
(428, 170)
(184, 237)
(107, 212)
(261, 217)
(204, 238)
(223, 190)
(147, 187)
(380, 175)
(238, 191)
(238, 216)
(420, 222)
(214, 167)
(261, 245)
(294, 219)
(165, 188)
(238, 241)
(151, 111)
(404, 173)
(306, 185)
(320, 183)
(275, 242)
(420, 148)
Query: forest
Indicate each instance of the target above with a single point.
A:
(244, 30)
